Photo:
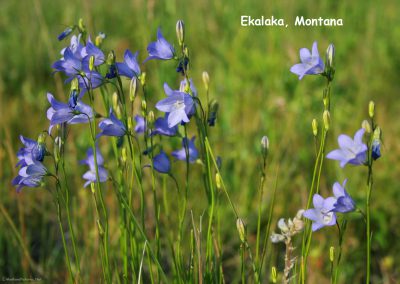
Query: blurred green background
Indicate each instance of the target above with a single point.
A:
(250, 78)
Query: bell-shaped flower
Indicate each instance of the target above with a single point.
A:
(160, 49)
(344, 203)
(321, 215)
(178, 104)
(112, 126)
(181, 153)
(352, 151)
(161, 163)
(72, 113)
(140, 124)
(30, 175)
(311, 62)
(91, 176)
(130, 67)
(161, 127)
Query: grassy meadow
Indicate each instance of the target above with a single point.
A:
(257, 96)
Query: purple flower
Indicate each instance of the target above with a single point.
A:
(111, 126)
(65, 33)
(30, 175)
(181, 154)
(311, 63)
(92, 50)
(90, 175)
(72, 113)
(160, 49)
(161, 163)
(376, 149)
(351, 151)
(33, 151)
(182, 86)
(344, 203)
(178, 104)
(321, 215)
(161, 127)
(140, 124)
(130, 67)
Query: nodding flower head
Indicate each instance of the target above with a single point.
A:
(344, 203)
(181, 153)
(160, 49)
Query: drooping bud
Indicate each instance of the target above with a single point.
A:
(273, 274)
(65, 33)
(74, 84)
(180, 32)
(371, 109)
(91, 63)
(206, 79)
(218, 181)
(81, 26)
(327, 119)
(132, 89)
(241, 227)
(365, 124)
(314, 125)
(332, 253)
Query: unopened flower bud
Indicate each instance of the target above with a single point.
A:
(92, 187)
(123, 155)
(115, 100)
(142, 78)
(327, 119)
(213, 112)
(74, 84)
(206, 79)
(150, 118)
(132, 89)
(81, 26)
(111, 58)
(218, 180)
(241, 227)
(91, 63)
(365, 124)
(99, 38)
(376, 143)
(314, 125)
(264, 146)
(371, 109)
(186, 52)
(144, 108)
(273, 274)
(130, 124)
(332, 253)
(180, 31)
(330, 54)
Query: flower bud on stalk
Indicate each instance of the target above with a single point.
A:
(206, 79)
(332, 253)
(81, 26)
(365, 124)
(180, 32)
(264, 146)
(144, 108)
(123, 155)
(150, 119)
(329, 58)
(241, 227)
(218, 181)
(314, 125)
(133, 89)
(273, 274)
(371, 109)
(327, 119)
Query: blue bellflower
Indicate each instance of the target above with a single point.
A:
(33, 151)
(161, 127)
(140, 124)
(321, 215)
(72, 113)
(352, 151)
(161, 163)
(178, 104)
(90, 175)
(311, 63)
(65, 33)
(130, 67)
(111, 126)
(344, 203)
(30, 175)
(160, 49)
(181, 153)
